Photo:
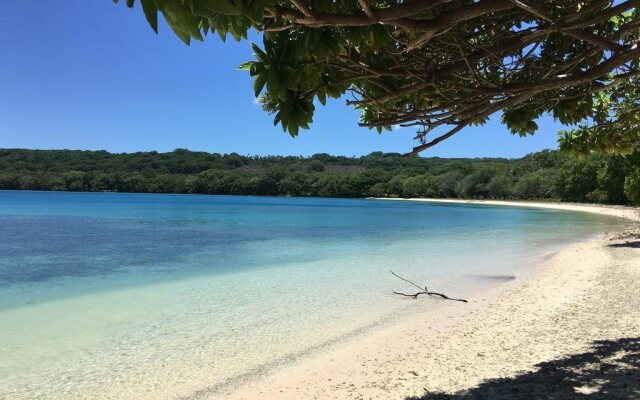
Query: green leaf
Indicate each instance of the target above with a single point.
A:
(246, 66)
(151, 13)
(322, 98)
(255, 11)
(260, 55)
(183, 36)
(226, 7)
(181, 21)
(293, 130)
(258, 84)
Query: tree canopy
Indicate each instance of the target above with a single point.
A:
(438, 65)
(545, 175)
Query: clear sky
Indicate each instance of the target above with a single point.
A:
(88, 74)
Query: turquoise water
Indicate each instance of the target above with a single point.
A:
(160, 296)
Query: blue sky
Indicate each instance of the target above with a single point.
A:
(88, 74)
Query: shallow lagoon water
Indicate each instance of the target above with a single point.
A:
(108, 295)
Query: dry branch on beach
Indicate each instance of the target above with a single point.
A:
(423, 290)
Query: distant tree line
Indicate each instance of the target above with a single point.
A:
(547, 174)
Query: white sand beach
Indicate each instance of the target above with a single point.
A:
(570, 329)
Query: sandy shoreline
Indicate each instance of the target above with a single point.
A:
(547, 335)
(630, 213)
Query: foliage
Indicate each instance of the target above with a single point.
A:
(538, 184)
(615, 123)
(632, 187)
(632, 179)
(542, 175)
(437, 64)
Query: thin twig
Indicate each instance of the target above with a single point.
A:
(424, 291)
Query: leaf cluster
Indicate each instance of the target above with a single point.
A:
(438, 66)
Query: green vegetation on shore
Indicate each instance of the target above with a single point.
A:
(544, 175)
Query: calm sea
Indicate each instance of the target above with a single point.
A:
(155, 296)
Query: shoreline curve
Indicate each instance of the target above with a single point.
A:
(574, 300)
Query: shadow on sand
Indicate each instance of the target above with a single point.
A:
(634, 244)
(610, 370)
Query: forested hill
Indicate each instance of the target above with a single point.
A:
(542, 175)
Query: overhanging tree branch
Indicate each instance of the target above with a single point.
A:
(429, 64)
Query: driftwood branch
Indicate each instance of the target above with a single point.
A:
(423, 290)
